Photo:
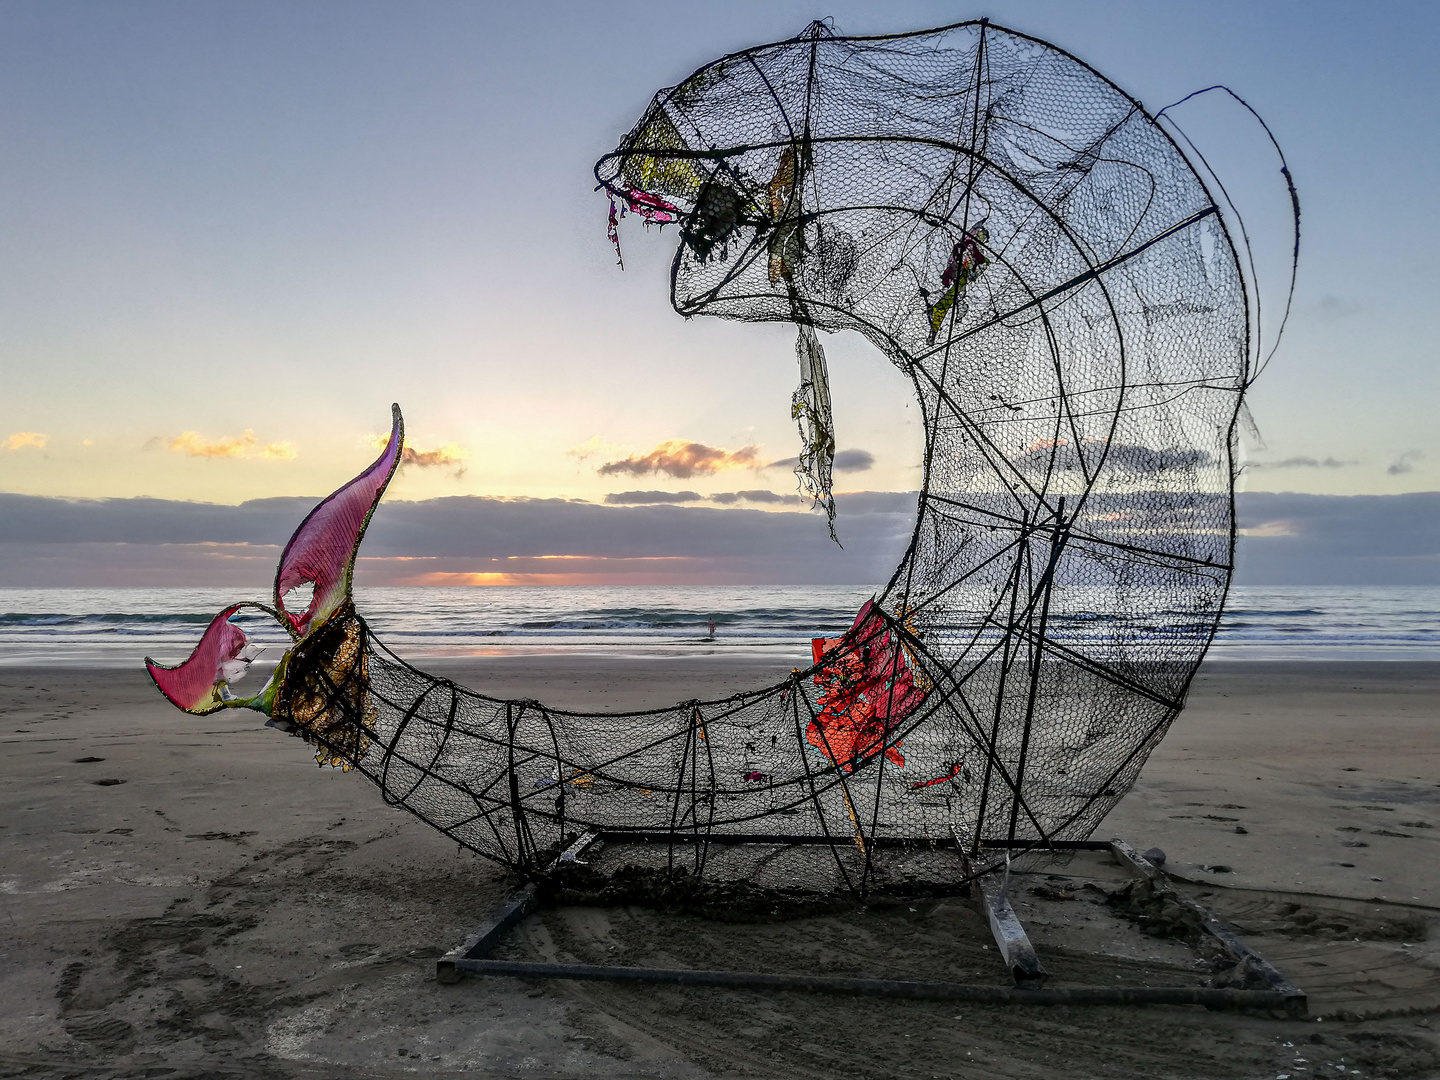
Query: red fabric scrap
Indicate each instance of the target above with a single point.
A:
(867, 689)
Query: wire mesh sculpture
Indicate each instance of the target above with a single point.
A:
(1036, 253)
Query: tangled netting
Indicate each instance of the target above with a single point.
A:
(1035, 252)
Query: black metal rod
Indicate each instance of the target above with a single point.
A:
(661, 836)
(1012, 583)
(998, 995)
(509, 912)
(1057, 543)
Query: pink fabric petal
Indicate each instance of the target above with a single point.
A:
(194, 684)
(651, 207)
(322, 551)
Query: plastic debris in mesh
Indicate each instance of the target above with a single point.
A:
(1035, 252)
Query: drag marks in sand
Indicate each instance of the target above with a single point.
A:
(314, 957)
(306, 949)
(744, 1033)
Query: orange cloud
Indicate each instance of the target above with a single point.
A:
(22, 439)
(682, 460)
(448, 454)
(246, 447)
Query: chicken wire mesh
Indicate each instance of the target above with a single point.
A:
(1032, 249)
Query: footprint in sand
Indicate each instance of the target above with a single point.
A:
(100, 1029)
(238, 837)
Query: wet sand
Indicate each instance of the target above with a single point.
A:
(203, 898)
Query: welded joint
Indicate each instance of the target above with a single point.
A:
(488, 934)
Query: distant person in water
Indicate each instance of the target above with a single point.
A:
(712, 629)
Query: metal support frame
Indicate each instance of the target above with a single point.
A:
(1010, 937)
(1232, 943)
(488, 934)
(1021, 960)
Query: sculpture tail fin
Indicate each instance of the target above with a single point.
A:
(322, 550)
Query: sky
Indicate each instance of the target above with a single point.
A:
(234, 233)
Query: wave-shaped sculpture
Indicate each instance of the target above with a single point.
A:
(1032, 249)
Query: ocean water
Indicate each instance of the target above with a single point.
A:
(119, 627)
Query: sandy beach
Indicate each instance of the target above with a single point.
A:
(195, 895)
